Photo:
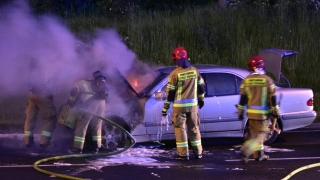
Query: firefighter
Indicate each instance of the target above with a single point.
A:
(90, 95)
(40, 100)
(258, 93)
(185, 91)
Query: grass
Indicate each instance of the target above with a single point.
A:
(213, 35)
(220, 36)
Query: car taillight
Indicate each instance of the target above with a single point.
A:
(310, 102)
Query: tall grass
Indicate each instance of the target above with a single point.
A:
(213, 35)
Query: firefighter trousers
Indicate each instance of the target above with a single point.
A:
(258, 131)
(87, 120)
(186, 126)
(43, 104)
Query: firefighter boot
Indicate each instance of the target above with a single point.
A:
(95, 148)
(244, 154)
(30, 143)
(244, 159)
(197, 155)
(75, 150)
(262, 156)
(178, 157)
(47, 145)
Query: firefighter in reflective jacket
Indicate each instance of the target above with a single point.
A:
(40, 100)
(185, 91)
(258, 93)
(89, 95)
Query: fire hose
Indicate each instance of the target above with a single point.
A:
(301, 169)
(127, 146)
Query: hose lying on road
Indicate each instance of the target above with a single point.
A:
(127, 146)
(301, 169)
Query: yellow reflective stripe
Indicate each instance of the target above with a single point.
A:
(182, 144)
(272, 86)
(252, 145)
(185, 105)
(96, 138)
(179, 90)
(187, 75)
(171, 87)
(28, 133)
(195, 143)
(264, 96)
(200, 81)
(255, 111)
(79, 139)
(255, 82)
(87, 97)
(85, 86)
(239, 106)
(46, 133)
(195, 89)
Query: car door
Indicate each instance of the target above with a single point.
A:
(219, 113)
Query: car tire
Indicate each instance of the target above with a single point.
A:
(112, 137)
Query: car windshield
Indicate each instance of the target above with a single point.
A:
(158, 79)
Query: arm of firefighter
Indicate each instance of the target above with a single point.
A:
(274, 107)
(273, 98)
(165, 108)
(201, 89)
(243, 101)
(168, 102)
(73, 96)
(171, 91)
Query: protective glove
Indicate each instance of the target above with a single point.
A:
(200, 103)
(240, 117)
(275, 111)
(164, 112)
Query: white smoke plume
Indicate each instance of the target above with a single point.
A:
(64, 59)
(25, 36)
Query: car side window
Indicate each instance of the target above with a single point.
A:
(238, 81)
(221, 84)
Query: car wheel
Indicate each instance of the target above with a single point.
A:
(270, 138)
(112, 137)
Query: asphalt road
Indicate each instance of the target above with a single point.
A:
(221, 160)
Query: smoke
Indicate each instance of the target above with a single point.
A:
(64, 58)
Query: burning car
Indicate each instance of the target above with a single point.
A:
(218, 118)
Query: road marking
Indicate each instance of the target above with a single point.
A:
(228, 160)
(277, 159)
(305, 131)
(48, 165)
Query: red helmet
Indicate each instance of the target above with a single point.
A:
(179, 53)
(255, 62)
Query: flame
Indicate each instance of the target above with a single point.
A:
(135, 82)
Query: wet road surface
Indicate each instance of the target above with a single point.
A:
(221, 160)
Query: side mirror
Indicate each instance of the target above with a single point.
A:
(159, 96)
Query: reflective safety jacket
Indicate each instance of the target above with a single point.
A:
(185, 86)
(257, 92)
(82, 91)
